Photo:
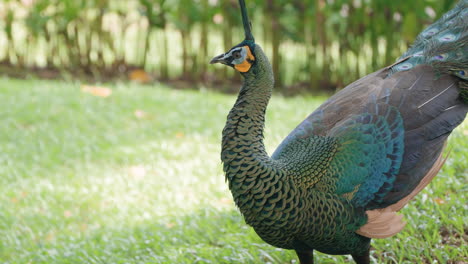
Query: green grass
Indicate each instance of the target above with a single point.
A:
(83, 179)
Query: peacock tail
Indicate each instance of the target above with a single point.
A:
(443, 45)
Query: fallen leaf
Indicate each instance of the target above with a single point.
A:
(140, 114)
(96, 90)
(170, 225)
(50, 236)
(139, 76)
(28, 3)
(67, 214)
(439, 201)
(14, 200)
(225, 201)
(137, 172)
(179, 135)
(83, 227)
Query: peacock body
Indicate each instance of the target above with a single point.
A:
(339, 178)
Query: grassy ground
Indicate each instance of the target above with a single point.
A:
(136, 178)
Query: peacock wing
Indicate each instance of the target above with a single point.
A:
(388, 133)
(355, 136)
(368, 155)
(379, 140)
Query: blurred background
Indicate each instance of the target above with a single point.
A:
(313, 44)
(111, 120)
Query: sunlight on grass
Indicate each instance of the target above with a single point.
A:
(136, 177)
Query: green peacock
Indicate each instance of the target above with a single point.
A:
(339, 178)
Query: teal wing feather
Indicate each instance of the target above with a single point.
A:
(364, 153)
(370, 152)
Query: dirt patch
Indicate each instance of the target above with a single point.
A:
(452, 238)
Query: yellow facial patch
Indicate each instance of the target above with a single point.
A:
(246, 64)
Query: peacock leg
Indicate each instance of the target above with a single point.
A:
(305, 257)
(363, 259)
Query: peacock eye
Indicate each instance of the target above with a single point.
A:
(236, 54)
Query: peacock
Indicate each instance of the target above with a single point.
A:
(340, 177)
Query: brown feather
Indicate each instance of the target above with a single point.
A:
(385, 222)
(422, 184)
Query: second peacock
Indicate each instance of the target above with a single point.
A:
(339, 179)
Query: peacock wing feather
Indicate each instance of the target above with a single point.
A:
(360, 137)
(381, 137)
(369, 154)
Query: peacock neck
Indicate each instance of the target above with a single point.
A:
(246, 162)
(244, 128)
(243, 133)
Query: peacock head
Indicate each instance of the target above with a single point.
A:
(241, 57)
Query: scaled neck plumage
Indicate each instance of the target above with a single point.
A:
(243, 133)
(246, 162)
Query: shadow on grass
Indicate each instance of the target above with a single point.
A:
(208, 235)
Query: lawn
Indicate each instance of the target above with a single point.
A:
(133, 175)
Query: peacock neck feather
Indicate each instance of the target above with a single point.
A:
(243, 132)
(246, 163)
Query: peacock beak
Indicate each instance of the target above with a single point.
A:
(219, 59)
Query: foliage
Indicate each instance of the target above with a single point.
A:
(316, 43)
(120, 173)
